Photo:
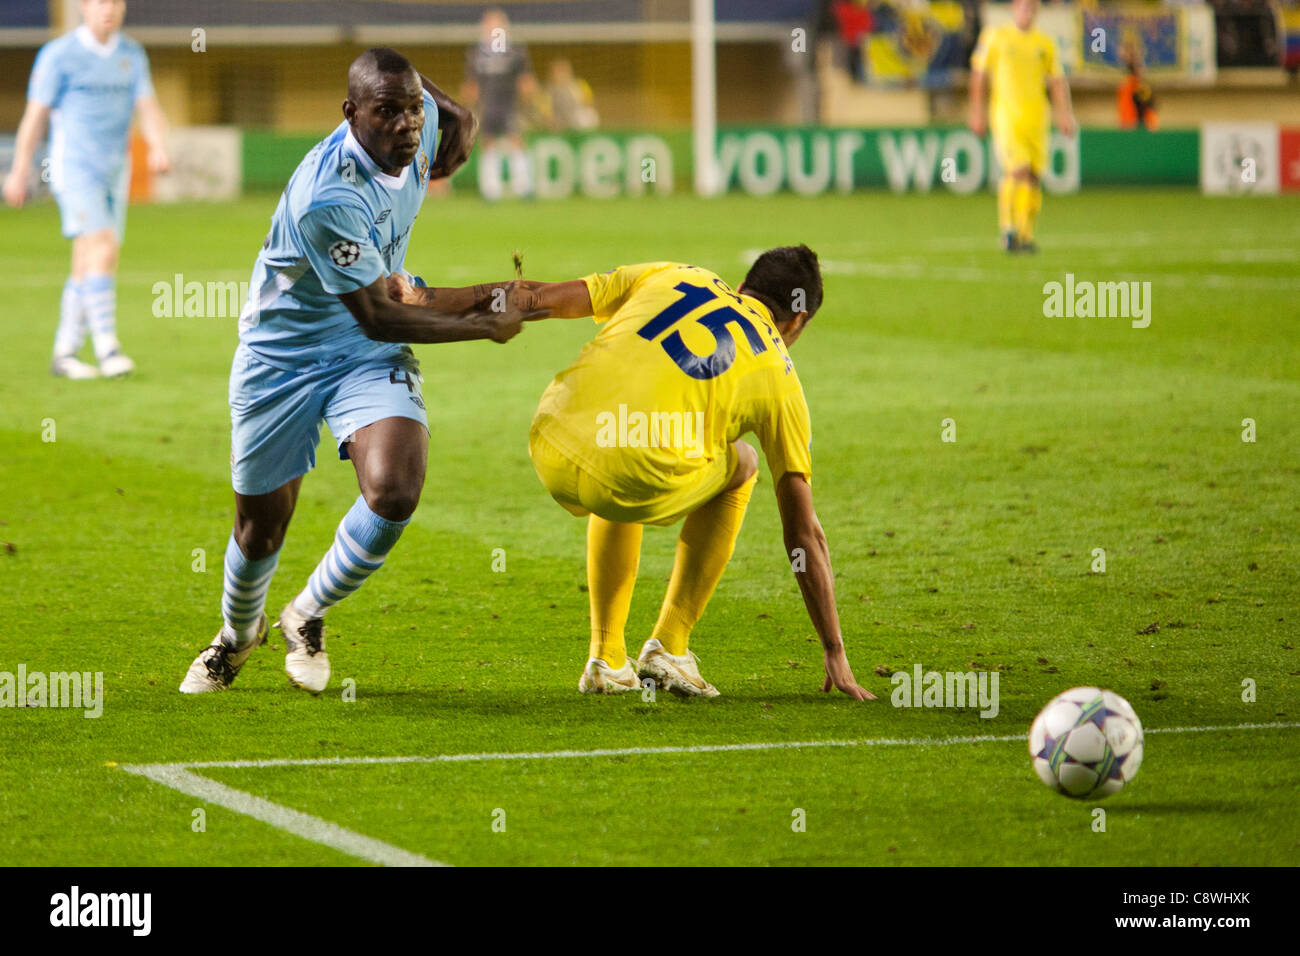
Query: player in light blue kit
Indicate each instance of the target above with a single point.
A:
(320, 338)
(86, 85)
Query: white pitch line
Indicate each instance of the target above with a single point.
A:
(179, 777)
(696, 749)
(304, 825)
(1107, 241)
(931, 272)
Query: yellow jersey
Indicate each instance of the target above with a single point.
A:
(1018, 64)
(681, 367)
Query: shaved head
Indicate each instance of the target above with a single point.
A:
(370, 69)
(385, 107)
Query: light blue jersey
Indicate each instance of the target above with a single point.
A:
(341, 224)
(91, 90)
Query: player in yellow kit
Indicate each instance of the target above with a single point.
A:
(1020, 63)
(644, 428)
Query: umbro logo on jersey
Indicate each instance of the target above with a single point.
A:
(382, 216)
(344, 252)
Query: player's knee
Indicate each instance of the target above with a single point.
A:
(394, 500)
(260, 536)
(99, 265)
(258, 542)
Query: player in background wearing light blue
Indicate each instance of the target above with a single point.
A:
(321, 338)
(86, 85)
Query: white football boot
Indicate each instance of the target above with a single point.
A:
(115, 365)
(305, 660)
(680, 675)
(69, 366)
(218, 664)
(599, 678)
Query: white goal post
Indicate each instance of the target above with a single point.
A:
(704, 97)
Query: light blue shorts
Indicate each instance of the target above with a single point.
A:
(275, 414)
(88, 206)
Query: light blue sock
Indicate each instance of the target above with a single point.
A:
(243, 594)
(99, 295)
(360, 546)
(72, 321)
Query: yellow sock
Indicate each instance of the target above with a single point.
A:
(1019, 207)
(613, 554)
(1033, 203)
(703, 549)
(1006, 193)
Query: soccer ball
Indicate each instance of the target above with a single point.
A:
(1086, 742)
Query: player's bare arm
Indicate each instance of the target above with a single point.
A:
(153, 127)
(31, 131)
(384, 319)
(1062, 107)
(556, 300)
(559, 300)
(802, 530)
(459, 131)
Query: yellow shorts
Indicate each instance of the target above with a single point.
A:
(1018, 148)
(581, 494)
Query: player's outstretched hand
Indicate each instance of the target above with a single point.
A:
(457, 141)
(1067, 126)
(400, 289)
(526, 298)
(15, 190)
(502, 326)
(840, 675)
(978, 125)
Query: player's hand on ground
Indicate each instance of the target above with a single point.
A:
(840, 675)
(454, 147)
(15, 189)
(160, 160)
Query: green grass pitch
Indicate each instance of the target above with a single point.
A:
(1072, 434)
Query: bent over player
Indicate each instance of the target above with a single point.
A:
(85, 86)
(320, 338)
(644, 428)
(1019, 61)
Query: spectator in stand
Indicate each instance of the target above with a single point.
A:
(1137, 104)
(854, 21)
(568, 101)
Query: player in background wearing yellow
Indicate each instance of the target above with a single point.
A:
(644, 428)
(1019, 62)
